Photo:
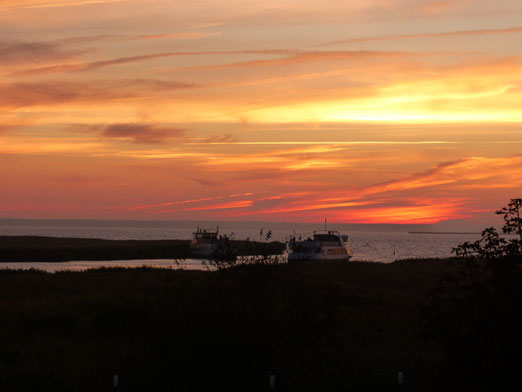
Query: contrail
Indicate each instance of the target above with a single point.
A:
(191, 201)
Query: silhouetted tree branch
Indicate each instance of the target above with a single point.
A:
(491, 247)
(474, 312)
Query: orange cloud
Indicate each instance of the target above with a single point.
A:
(293, 56)
(57, 5)
(14, 53)
(507, 30)
(141, 133)
(464, 172)
(429, 213)
(62, 92)
(407, 200)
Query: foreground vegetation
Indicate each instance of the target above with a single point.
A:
(474, 312)
(449, 325)
(318, 327)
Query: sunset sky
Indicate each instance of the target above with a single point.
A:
(362, 111)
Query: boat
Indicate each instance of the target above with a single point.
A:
(207, 243)
(323, 245)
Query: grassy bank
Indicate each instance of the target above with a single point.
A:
(32, 248)
(318, 327)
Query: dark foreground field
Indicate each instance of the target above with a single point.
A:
(317, 327)
(33, 248)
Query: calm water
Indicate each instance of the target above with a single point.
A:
(381, 246)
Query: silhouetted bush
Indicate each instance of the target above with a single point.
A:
(493, 248)
(475, 310)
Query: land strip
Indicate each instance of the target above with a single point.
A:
(34, 248)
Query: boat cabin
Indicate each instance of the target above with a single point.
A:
(204, 235)
(329, 236)
(324, 245)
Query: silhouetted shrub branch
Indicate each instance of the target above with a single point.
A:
(491, 247)
(474, 313)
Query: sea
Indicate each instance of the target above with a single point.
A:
(369, 243)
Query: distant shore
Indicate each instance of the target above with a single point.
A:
(35, 248)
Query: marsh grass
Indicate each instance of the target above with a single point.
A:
(319, 327)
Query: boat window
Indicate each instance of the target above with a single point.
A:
(206, 235)
(326, 237)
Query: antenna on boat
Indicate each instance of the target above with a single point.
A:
(325, 226)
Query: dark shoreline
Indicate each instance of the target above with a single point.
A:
(36, 248)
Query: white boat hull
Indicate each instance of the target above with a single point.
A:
(339, 253)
